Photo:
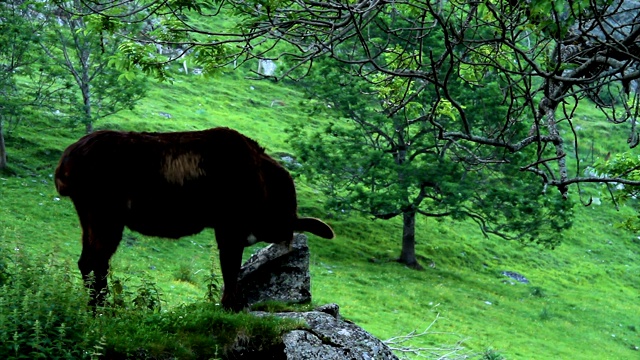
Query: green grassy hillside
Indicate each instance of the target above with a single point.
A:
(581, 302)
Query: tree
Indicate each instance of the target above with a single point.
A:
(85, 53)
(391, 166)
(15, 42)
(550, 56)
(26, 80)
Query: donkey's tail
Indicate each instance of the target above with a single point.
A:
(62, 177)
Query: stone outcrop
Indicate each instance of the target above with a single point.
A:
(280, 272)
(326, 337)
(277, 272)
(329, 338)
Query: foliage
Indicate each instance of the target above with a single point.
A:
(383, 163)
(628, 165)
(145, 296)
(85, 53)
(492, 354)
(4, 273)
(43, 314)
(548, 57)
(27, 81)
(195, 331)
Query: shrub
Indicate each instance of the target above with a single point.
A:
(145, 296)
(43, 313)
(492, 354)
(185, 273)
(4, 274)
(537, 291)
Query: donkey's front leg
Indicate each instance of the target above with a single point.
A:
(101, 234)
(230, 261)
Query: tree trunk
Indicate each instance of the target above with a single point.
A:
(408, 254)
(89, 127)
(3, 149)
(86, 96)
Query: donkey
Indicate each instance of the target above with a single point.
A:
(177, 184)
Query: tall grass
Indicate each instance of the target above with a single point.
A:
(43, 315)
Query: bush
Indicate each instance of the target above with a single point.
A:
(43, 313)
(185, 273)
(491, 354)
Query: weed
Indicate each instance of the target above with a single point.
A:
(43, 312)
(492, 354)
(148, 296)
(537, 291)
(545, 314)
(185, 273)
(144, 296)
(4, 274)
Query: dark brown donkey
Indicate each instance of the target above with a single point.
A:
(176, 184)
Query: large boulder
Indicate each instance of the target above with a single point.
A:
(277, 272)
(326, 337)
(329, 338)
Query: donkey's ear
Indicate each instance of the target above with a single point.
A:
(314, 226)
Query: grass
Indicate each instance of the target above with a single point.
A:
(43, 314)
(588, 295)
(581, 303)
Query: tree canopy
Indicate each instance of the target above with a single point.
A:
(549, 57)
(387, 166)
(55, 68)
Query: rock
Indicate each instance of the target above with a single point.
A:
(266, 67)
(331, 338)
(326, 338)
(331, 309)
(516, 276)
(277, 272)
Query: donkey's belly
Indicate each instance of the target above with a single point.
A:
(171, 220)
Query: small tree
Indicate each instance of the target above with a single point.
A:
(16, 41)
(85, 53)
(388, 165)
(27, 81)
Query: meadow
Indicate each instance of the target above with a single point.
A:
(582, 300)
